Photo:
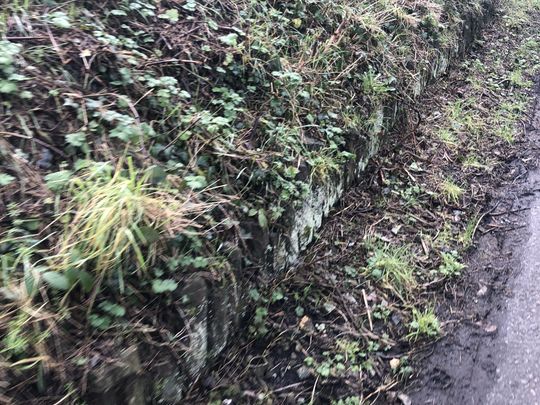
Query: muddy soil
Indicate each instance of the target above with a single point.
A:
(491, 350)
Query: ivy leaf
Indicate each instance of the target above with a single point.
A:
(7, 87)
(229, 39)
(150, 235)
(56, 280)
(59, 19)
(6, 179)
(196, 182)
(156, 174)
(58, 180)
(85, 279)
(171, 15)
(118, 12)
(125, 132)
(113, 309)
(160, 286)
(200, 262)
(190, 5)
(77, 139)
(99, 322)
(277, 296)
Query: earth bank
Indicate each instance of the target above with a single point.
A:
(142, 209)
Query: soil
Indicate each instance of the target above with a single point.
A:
(490, 356)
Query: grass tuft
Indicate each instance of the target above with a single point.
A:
(451, 192)
(118, 218)
(424, 324)
(392, 265)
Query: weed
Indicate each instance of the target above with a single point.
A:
(505, 131)
(404, 369)
(17, 339)
(445, 237)
(464, 119)
(467, 236)
(258, 325)
(349, 401)
(473, 161)
(303, 77)
(382, 312)
(448, 137)
(373, 85)
(451, 192)
(411, 195)
(348, 358)
(450, 265)
(424, 324)
(516, 79)
(392, 265)
(118, 217)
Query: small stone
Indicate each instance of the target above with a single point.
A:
(351, 299)
(491, 328)
(482, 291)
(394, 364)
(306, 324)
(405, 400)
(303, 372)
(329, 307)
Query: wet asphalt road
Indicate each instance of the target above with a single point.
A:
(493, 356)
(518, 341)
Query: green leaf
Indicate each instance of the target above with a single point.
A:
(58, 180)
(229, 39)
(30, 282)
(263, 221)
(77, 139)
(171, 15)
(324, 370)
(99, 322)
(156, 174)
(277, 296)
(118, 12)
(56, 280)
(160, 286)
(6, 179)
(31, 224)
(377, 273)
(254, 294)
(125, 132)
(196, 182)
(113, 309)
(59, 19)
(149, 234)
(85, 279)
(7, 87)
(26, 95)
(190, 5)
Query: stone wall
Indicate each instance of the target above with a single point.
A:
(212, 310)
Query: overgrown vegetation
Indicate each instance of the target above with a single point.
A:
(350, 318)
(137, 136)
